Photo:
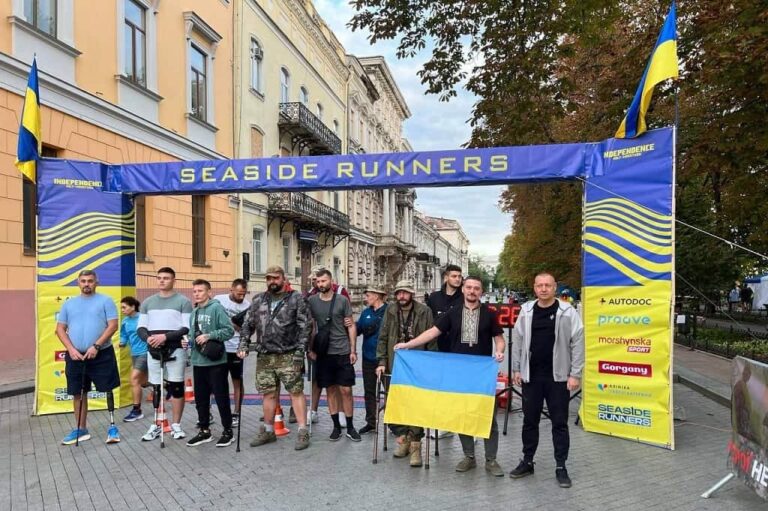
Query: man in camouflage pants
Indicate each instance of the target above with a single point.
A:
(278, 322)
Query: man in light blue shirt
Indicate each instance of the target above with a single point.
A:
(85, 325)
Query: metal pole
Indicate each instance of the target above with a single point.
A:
(717, 486)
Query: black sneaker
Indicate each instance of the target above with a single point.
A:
(353, 435)
(226, 438)
(203, 436)
(525, 468)
(366, 429)
(561, 474)
(335, 435)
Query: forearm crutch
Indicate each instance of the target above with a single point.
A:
(162, 401)
(426, 454)
(384, 427)
(376, 424)
(240, 408)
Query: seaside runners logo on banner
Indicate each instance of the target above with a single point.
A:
(633, 344)
(624, 414)
(625, 368)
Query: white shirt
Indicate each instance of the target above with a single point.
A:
(232, 308)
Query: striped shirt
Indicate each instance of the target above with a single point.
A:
(161, 315)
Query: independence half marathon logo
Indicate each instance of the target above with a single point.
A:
(624, 415)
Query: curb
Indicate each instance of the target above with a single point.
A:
(707, 387)
(15, 389)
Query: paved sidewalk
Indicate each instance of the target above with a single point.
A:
(609, 473)
(704, 372)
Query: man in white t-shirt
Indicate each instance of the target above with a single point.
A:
(235, 303)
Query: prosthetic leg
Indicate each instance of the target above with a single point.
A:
(83, 397)
(113, 435)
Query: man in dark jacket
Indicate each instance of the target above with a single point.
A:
(403, 321)
(446, 298)
(278, 321)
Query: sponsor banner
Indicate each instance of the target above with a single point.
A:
(627, 293)
(79, 227)
(748, 448)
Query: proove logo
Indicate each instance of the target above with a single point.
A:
(622, 319)
(625, 368)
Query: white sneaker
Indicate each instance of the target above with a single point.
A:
(177, 432)
(313, 417)
(152, 433)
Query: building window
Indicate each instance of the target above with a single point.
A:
(336, 126)
(336, 200)
(286, 253)
(41, 14)
(135, 43)
(140, 213)
(285, 85)
(198, 68)
(198, 229)
(320, 111)
(257, 245)
(257, 57)
(257, 143)
(304, 96)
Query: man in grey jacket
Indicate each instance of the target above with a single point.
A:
(547, 360)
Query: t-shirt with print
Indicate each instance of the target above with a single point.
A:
(339, 343)
(233, 309)
(460, 339)
(86, 318)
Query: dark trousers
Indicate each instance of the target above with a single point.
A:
(212, 379)
(369, 386)
(556, 395)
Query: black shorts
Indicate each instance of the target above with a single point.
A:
(235, 366)
(101, 371)
(335, 370)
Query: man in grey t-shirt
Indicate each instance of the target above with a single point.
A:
(335, 369)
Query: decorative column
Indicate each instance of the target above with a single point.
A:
(393, 211)
(385, 213)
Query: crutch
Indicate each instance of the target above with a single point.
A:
(426, 460)
(162, 401)
(376, 424)
(80, 406)
(240, 407)
(311, 370)
(384, 427)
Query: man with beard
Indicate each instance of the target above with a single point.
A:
(85, 325)
(445, 298)
(278, 319)
(402, 322)
(471, 329)
(368, 325)
(235, 303)
(335, 367)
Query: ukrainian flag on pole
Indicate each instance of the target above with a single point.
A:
(443, 391)
(661, 66)
(30, 137)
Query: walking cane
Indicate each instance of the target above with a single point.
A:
(162, 402)
(426, 461)
(376, 424)
(384, 427)
(311, 370)
(240, 408)
(437, 444)
(80, 406)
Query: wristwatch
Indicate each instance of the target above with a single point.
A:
(97, 347)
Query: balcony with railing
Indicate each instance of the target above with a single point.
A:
(308, 212)
(307, 130)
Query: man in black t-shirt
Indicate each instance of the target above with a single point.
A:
(470, 329)
(446, 298)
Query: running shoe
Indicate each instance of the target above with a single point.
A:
(353, 435)
(134, 415)
(76, 435)
(152, 433)
(226, 438)
(177, 432)
(235, 419)
(202, 436)
(113, 435)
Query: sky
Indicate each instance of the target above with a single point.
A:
(433, 125)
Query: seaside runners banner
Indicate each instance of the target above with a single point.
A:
(79, 227)
(628, 250)
(748, 448)
(85, 221)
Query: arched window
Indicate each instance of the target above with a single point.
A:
(257, 57)
(320, 111)
(304, 96)
(285, 85)
(336, 126)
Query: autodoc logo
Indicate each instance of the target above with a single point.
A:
(626, 301)
(622, 319)
(624, 415)
(625, 368)
(622, 390)
(59, 356)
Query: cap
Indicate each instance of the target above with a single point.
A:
(405, 285)
(375, 290)
(275, 270)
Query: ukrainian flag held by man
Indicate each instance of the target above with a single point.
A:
(30, 137)
(661, 66)
(443, 391)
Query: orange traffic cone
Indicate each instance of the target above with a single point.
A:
(189, 391)
(162, 421)
(280, 429)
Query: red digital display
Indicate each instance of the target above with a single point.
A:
(506, 314)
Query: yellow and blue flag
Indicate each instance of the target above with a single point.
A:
(443, 391)
(661, 66)
(30, 136)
